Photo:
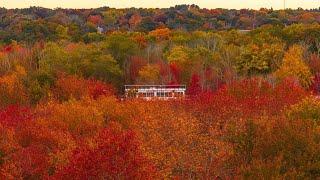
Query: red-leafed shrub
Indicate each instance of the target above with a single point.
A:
(14, 114)
(32, 162)
(257, 96)
(115, 155)
(246, 99)
(98, 88)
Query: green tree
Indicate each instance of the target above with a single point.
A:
(53, 58)
(147, 24)
(62, 32)
(294, 33)
(121, 46)
(93, 37)
(91, 61)
(255, 59)
(88, 60)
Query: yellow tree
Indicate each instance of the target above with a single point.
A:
(293, 66)
(307, 109)
(172, 139)
(149, 74)
(12, 90)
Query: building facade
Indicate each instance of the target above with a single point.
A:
(149, 92)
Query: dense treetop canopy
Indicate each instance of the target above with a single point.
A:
(35, 23)
(250, 110)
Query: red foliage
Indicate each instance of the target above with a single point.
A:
(98, 88)
(215, 12)
(11, 48)
(194, 87)
(74, 87)
(315, 87)
(95, 19)
(136, 63)
(247, 98)
(258, 96)
(164, 69)
(8, 49)
(176, 72)
(314, 63)
(134, 20)
(33, 162)
(70, 87)
(117, 155)
(14, 114)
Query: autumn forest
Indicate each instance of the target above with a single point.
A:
(251, 110)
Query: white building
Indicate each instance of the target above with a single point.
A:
(100, 30)
(149, 92)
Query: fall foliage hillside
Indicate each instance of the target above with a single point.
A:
(252, 109)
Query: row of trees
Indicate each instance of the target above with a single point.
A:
(164, 56)
(34, 23)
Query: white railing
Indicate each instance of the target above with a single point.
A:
(149, 92)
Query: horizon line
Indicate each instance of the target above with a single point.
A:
(133, 7)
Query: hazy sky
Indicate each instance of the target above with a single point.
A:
(237, 4)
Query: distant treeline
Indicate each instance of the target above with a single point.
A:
(37, 23)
